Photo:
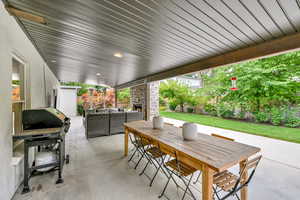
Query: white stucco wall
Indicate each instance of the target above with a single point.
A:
(14, 41)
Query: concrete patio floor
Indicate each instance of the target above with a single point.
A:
(98, 171)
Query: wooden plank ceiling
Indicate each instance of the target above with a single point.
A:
(80, 37)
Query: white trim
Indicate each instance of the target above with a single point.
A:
(69, 87)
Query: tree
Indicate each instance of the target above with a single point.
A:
(261, 83)
(84, 87)
(176, 92)
(124, 95)
(110, 97)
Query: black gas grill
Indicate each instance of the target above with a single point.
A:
(44, 118)
(45, 129)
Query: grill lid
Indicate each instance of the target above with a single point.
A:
(43, 118)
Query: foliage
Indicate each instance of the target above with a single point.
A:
(241, 115)
(277, 132)
(210, 109)
(261, 116)
(80, 108)
(16, 82)
(162, 108)
(261, 83)
(277, 115)
(265, 86)
(110, 97)
(190, 110)
(177, 93)
(84, 87)
(124, 95)
(173, 105)
(292, 120)
(162, 101)
(123, 98)
(82, 91)
(225, 111)
(192, 100)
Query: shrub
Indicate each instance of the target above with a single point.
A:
(225, 111)
(80, 109)
(162, 108)
(227, 114)
(82, 91)
(190, 110)
(292, 120)
(241, 115)
(162, 101)
(210, 109)
(276, 116)
(261, 116)
(173, 105)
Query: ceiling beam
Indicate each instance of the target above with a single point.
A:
(265, 49)
(131, 84)
(25, 15)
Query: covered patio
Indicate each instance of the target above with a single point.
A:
(106, 174)
(133, 43)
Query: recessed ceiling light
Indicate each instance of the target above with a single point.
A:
(98, 74)
(54, 61)
(118, 55)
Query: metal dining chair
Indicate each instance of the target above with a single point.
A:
(218, 136)
(182, 171)
(230, 183)
(155, 157)
(139, 146)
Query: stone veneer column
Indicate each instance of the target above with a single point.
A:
(152, 99)
(138, 97)
(146, 95)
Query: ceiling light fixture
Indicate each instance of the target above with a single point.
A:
(54, 61)
(98, 74)
(118, 55)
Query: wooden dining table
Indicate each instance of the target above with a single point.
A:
(207, 153)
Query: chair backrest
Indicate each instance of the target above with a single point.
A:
(132, 138)
(250, 165)
(142, 141)
(222, 137)
(164, 148)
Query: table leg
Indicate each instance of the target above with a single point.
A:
(244, 190)
(207, 183)
(26, 169)
(126, 142)
(61, 163)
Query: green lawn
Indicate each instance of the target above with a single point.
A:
(277, 132)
